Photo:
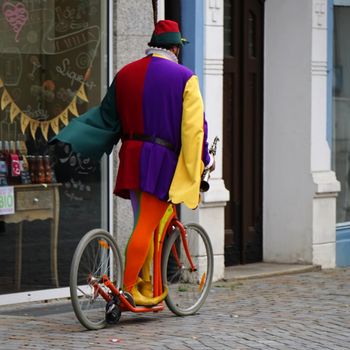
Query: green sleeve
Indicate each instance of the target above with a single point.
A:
(96, 131)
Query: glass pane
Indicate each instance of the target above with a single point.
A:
(341, 109)
(51, 70)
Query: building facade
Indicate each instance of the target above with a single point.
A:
(285, 106)
(274, 78)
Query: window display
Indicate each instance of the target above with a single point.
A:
(341, 109)
(51, 54)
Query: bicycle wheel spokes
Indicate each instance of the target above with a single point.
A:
(96, 255)
(188, 279)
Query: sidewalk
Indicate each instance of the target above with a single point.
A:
(232, 274)
(296, 307)
(261, 270)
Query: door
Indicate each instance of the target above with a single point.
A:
(243, 124)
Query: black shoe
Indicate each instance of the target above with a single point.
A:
(113, 312)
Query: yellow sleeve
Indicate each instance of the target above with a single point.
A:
(186, 181)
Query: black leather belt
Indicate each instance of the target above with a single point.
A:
(152, 139)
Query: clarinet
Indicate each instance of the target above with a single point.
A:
(204, 187)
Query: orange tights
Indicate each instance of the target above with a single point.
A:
(147, 214)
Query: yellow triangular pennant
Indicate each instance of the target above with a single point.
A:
(73, 107)
(14, 111)
(82, 94)
(24, 122)
(54, 124)
(33, 126)
(44, 126)
(5, 99)
(64, 117)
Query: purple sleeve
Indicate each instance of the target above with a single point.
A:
(205, 154)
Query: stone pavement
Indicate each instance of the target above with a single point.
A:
(309, 310)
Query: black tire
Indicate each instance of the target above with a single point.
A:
(187, 289)
(92, 258)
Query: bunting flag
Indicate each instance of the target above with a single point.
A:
(44, 125)
(64, 117)
(82, 94)
(24, 123)
(14, 111)
(5, 99)
(33, 127)
(55, 125)
(73, 107)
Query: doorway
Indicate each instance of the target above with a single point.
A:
(243, 129)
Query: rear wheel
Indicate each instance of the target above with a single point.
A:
(188, 287)
(96, 255)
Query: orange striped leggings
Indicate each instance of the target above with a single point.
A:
(148, 210)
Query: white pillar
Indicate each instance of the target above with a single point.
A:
(211, 214)
(299, 187)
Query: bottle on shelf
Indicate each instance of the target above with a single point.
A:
(6, 150)
(48, 170)
(3, 166)
(21, 151)
(14, 165)
(32, 169)
(40, 169)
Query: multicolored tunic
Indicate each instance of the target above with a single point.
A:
(155, 106)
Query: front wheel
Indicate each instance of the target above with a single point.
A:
(96, 255)
(188, 285)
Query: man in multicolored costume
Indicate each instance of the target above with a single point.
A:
(154, 105)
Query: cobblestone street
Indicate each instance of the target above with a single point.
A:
(301, 311)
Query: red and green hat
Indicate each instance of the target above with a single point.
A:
(166, 32)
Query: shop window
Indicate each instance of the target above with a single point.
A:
(52, 69)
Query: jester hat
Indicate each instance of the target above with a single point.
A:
(166, 32)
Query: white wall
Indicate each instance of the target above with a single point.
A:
(299, 187)
(287, 130)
